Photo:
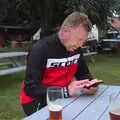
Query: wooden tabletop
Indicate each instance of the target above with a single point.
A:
(82, 107)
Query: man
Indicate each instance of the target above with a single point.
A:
(56, 61)
(116, 22)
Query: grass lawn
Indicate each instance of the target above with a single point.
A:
(106, 67)
(9, 97)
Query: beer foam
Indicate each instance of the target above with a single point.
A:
(55, 107)
(115, 111)
(115, 108)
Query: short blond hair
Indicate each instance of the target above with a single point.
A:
(77, 18)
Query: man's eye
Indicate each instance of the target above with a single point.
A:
(112, 21)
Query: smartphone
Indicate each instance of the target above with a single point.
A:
(95, 84)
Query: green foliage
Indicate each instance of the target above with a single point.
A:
(115, 8)
(97, 10)
(50, 14)
(12, 12)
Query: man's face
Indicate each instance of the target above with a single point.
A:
(76, 38)
(116, 23)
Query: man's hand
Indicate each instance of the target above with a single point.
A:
(75, 85)
(90, 91)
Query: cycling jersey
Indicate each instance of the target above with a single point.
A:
(50, 64)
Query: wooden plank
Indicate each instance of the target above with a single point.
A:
(12, 54)
(6, 63)
(95, 110)
(90, 53)
(105, 115)
(111, 40)
(12, 70)
(75, 108)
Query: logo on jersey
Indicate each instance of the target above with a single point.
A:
(63, 61)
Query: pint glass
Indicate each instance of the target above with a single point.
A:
(114, 106)
(54, 101)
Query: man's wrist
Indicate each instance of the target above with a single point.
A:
(66, 92)
(79, 92)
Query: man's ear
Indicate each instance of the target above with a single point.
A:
(66, 31)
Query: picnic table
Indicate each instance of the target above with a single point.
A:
(112, 43)
(82, 107)
(13, 59)
(16, 63)
(89, 53)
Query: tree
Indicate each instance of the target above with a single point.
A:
(115, 9)
(96, 9)
(49, 14)
(45, 14)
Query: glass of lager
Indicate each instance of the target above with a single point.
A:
(54, 101)
(114, 106)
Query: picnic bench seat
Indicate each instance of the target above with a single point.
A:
(90, 53)
(12, 70)
(6, 63)
(13, 61)
(87, 52)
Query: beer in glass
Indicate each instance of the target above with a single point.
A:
(55, 112)
(54, 101)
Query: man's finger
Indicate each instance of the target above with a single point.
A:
(82, 82)
(80, 86)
